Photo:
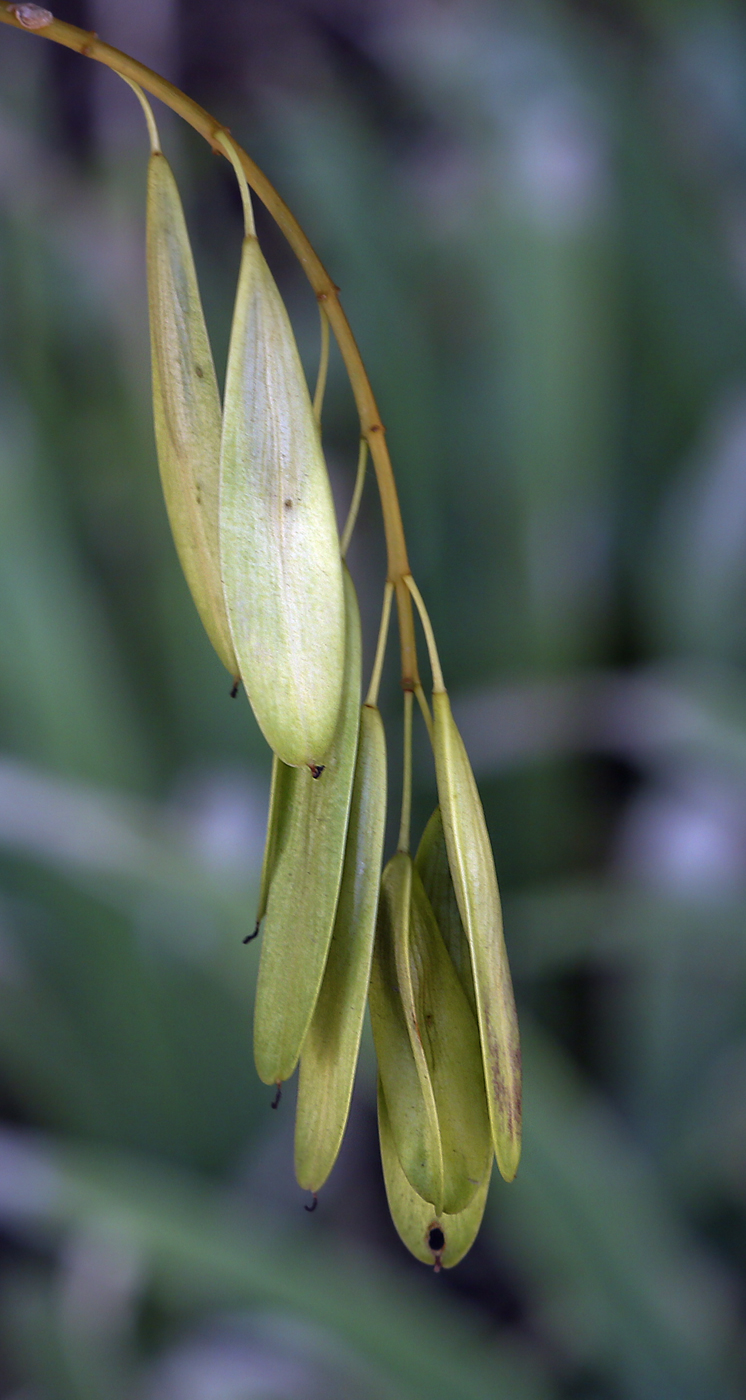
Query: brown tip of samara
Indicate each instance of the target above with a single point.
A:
(234, 687)
(278, 1095)
(251, 936)
(313, 1205)
(316, 769)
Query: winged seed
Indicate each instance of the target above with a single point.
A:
(330, 1049)
(186, 403)
(281, 567)
(474, 880)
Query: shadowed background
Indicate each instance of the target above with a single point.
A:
(537, 217)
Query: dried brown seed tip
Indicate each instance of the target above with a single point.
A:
(316, 769)
(313, 1204)
(251, 936)
(277, 1097)
(234, 687)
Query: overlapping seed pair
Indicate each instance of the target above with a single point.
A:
(443, 1015)
(432, 1108)
(247, 490)
(318, 900)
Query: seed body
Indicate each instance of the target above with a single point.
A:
(427, 1044)
(415, 1220)
(330, 1049)
(431, 863)
(448, 1031)
(281, 567)
(475, 883)
(402, 1065)
(186, 404)
(304, 881)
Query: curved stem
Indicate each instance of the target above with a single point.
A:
(425, 710)
(357, 496)
(155, 140)
(406, 794)
(232, 154)
(90, 46)
(427, 627)
(318, 396)
(383, 632)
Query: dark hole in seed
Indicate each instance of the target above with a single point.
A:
(436, 1240)
(288, 503)
(198, 370)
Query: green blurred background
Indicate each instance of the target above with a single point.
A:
(537, 216)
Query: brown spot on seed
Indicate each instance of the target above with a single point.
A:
(436, 1243)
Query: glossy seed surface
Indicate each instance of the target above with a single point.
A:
(446, 1026)
(186, 404)
(416, 1220)
(431, 863)
(330, 1049)
(280, 561)
(402, 1065)
(304, 883)
(474, 880)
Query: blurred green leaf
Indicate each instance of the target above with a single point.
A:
(200, 1249)
(620, 1278)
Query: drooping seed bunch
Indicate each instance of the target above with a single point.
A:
(251, 511)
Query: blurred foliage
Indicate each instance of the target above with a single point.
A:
(537, 215)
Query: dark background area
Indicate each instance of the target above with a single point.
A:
(537, 217)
